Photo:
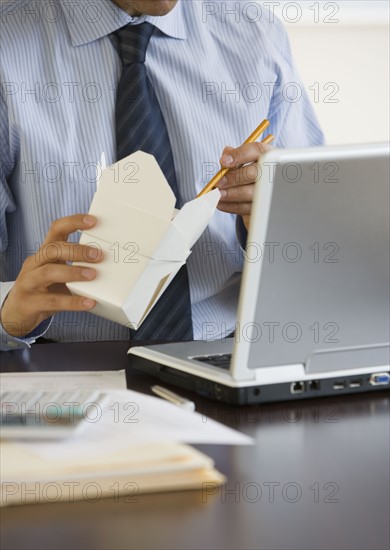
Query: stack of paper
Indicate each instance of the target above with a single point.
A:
(136, 444)
(28, 478)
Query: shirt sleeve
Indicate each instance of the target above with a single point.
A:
(291, 113)
(7, 205)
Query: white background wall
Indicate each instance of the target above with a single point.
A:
(348, 57)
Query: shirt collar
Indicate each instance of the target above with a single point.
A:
(98, 18)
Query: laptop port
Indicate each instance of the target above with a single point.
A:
(297, 387)
(217, 391)
(356, 383)
(339, 385)
(379, 379)
(314, 385)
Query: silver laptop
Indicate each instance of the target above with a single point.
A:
(313, 314)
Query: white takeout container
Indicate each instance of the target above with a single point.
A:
(145, 241)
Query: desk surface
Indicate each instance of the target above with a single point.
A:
(317, 478)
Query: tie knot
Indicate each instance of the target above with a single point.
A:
(133, 41)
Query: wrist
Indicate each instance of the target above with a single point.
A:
(12, 327)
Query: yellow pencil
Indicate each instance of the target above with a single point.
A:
(253, 137)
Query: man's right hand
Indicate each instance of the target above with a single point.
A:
(39, 290)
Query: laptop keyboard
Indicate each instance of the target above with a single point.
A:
(222, 361)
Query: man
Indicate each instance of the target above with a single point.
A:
(216, 68)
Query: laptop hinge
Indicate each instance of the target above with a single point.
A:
(348, 358)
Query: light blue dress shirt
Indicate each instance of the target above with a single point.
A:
(217, 74)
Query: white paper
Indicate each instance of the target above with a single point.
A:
(131, 418)
(72, 380)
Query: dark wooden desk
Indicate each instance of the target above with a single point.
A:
(316, 479)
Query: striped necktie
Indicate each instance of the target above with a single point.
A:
(140, 126)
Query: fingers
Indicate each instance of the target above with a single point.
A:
(61, 252)
(249, 152)
(243, 193)
(25, 309)
(40, 290)
(237, 187)
(241, 176)
(61, 229)
(54, 303)
(50, 274)
(39, 280)
(243, 165)
(241, 208)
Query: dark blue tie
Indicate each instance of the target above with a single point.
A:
(140, 126)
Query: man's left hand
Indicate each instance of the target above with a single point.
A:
(238, 185)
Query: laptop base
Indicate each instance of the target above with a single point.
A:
(285, 391)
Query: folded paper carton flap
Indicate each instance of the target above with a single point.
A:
(113, 312)
(157, 276)
(186, 228)
(138, 181)
(173, 247)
